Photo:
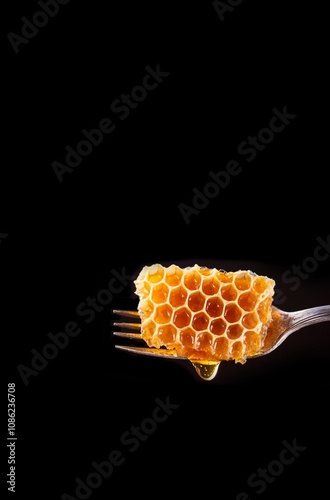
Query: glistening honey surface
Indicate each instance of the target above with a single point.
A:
(204, 314)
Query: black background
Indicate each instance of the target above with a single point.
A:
(119, 210)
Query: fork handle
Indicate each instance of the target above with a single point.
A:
(310, 316)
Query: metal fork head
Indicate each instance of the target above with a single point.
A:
(278, 330)
(207, 370)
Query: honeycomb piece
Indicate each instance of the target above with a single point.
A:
(204, 314)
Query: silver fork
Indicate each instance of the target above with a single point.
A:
(282, 325)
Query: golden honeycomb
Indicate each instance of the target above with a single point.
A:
(204, 314)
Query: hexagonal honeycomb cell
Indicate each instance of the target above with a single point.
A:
(206, 315)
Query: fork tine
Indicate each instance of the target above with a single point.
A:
(128, 314)
(132, 326)
(151, 351)
(128, 335)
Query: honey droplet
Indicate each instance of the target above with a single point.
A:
(207, 370)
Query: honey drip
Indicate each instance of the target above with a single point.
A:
(207, 370)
